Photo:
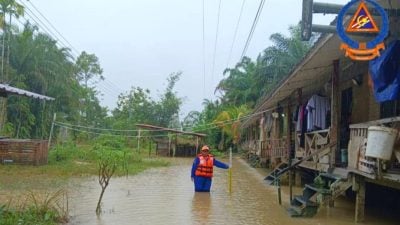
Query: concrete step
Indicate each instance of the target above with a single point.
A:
(295, 211)
(317, 189)
(303, 201)
(330, 176)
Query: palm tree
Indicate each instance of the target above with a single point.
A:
(12, 8)
(249, 80)
(229, 123)
(38, 65)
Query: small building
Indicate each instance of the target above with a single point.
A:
(174, 142)
(22, 151)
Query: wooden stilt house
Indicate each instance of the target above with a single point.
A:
(336, 151)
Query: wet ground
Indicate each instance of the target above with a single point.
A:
(165, 196)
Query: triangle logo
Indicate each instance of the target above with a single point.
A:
(362, 21)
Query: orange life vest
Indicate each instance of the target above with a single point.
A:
(205, 167)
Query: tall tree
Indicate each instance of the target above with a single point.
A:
(88, 68)
(38, 65)
(138, 107)
(246, 83)
(133, 107)
(11, 8)
(168, 108)
(237, 86)
(248, 80)
(229, 122)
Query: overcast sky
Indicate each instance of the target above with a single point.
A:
(140, 42)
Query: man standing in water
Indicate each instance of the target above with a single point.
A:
(202, 170)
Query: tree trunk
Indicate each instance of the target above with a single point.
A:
(98, 208)
(3, 100)
(3, 113)
(3, 78)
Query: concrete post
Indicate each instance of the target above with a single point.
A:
(360, 200)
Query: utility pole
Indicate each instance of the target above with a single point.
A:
(51, 130)
(138, 141)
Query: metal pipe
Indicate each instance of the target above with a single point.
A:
(329, 8)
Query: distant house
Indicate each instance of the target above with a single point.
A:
(175, 142)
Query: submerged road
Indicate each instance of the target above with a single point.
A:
(165, 196)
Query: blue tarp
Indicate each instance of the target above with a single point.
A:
(385, 73)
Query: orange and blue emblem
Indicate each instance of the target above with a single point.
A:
(363, 22)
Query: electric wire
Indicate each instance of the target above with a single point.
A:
(54, 28)
(235, 34)
(47, 30)
(96, 128)
(204, 64)
(44, 28)
(108, 134)
(205, 127)
(253, 27)
(216, 42)
(204, 54)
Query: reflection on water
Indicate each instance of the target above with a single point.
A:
(165, 196)
(201, 208)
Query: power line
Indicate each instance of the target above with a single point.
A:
(108, 134)
(205, 127)
(215, 43)
(107, 90)
(96, 128)
(46, 30)
(235, 34)
(54, 28)
(204, 55)
(111, 88)
(112, 85)
(253, 27)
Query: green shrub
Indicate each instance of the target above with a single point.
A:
(112, 142)
(216, 153)
(60, 153)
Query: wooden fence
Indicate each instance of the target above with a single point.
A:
(23, 151)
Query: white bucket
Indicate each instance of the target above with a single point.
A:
(380, 142)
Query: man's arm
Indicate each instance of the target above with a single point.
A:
(194, 166)
(220, 164)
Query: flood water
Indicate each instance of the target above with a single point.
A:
(165, 196)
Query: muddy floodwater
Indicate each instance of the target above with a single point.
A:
(165, 196)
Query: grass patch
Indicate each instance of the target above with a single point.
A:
(64, 162)
(67, 161)
(38, 209)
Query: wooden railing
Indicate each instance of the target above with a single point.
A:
(315, 141)
(275, 148)
(251, 146)
(270, 148)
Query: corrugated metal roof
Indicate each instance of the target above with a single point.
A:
(309, 74)
(6, 89)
